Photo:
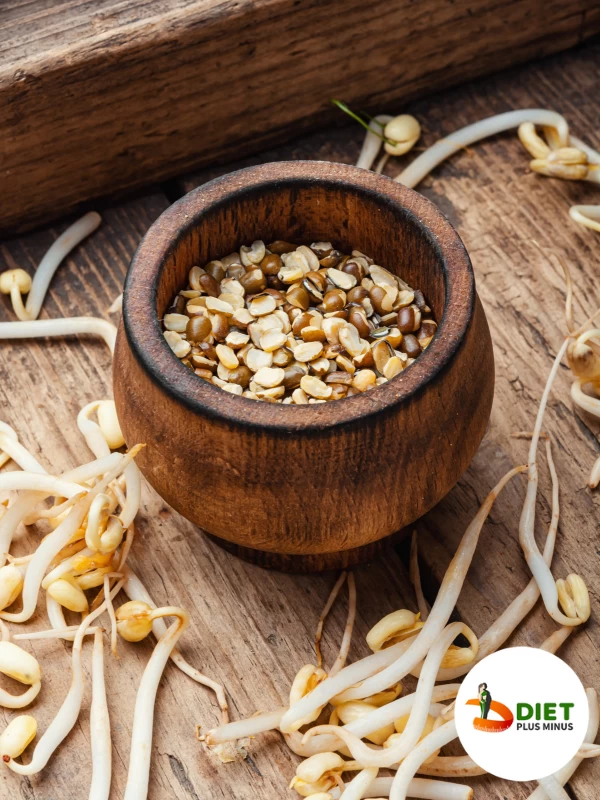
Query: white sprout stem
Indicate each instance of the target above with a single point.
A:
(373, 141)
(589, 404)
(565, 773)
(67, 715)
(19, 454)
(93, 469)
(589, 750)
(535, 560)
(347, 637)
(557, 639)
(424, 750)
(451, 767)
(100, 726)
(135, 590)
(50, 513)
(418, 646)
(4, 632)
(39, 482)
(143, 717)
(116, 305)
(415, 578)
(373, 721)
(359, 785)
(420, 788)
(368, 756)
(67, 633)
(552, 788)
(63, 326)
(8, 700)
(12, 434)
(111, 614)
(515, 613)
(594, 478)
(325, 613)
(446, 147)
(243, 728)
(59, 250)
(59, 538)
(589, 216)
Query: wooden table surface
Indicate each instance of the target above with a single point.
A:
(253, 629)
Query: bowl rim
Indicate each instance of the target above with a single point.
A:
(144, 334)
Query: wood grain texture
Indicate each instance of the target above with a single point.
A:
(253, 629)
(333, 457)
(99, 96)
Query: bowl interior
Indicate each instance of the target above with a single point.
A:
(300, 202)
(305, 211)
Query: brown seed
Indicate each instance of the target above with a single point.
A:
(312, 289)
(207, 350)
(339, 377)
(318, 278)
(220, 326)
(298, 297)
(378, 295)
(236, 271)
(273, 282)
(358, 318)
(216, 270)
(240, 375)
(334, 300)
(277, 295)
(420, 300)
(382, 352)
(198, 329)
(410, 345)
(209, 285)
(366, 360)
(311, 333)
(355, 269)
(254, 281)
(302, 320)
(204, 373)
(332, 259)
(279, 247)
(427, 329)
(406, 320)
(357, 294)
(178, 305)
(271, 264)
(293, 374)
(321, 249)
(338, 392)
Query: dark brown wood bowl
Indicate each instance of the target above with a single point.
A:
(309, 487)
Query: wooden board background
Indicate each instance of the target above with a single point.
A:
(253, 629)
(100, 95)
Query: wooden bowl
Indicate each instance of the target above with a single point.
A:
(315, 486)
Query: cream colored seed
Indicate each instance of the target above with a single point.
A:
(364, 379)
(308, 351)
(194, 276)
(232, 286)
(197, 307)
(218, 382)
(233, 300)
(19, 732)
(296, 259)
(134, 620)
(320, 366)
(214, 304)
(290, 273)
(227, 357)
(262, 304)
(232, 388)
(269, 377)
(381, 276)
(236, 339)
(190, 294)
(109, 424)
(341, 279)
(242, 317)
(405, 298)
(257, 359)
(272, 340)
(332, 327)
(315, 387)
(222, 372)
(351, 341)
(253, 254)
(178, 345)
(11, 584)
(311, 258)
(69, 594)
(299, 397)
(393, 367)
(19, 664)
(273, 393)
(344, 363)
(286, 325)
(176, 322)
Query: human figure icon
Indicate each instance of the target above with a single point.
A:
(485, 700)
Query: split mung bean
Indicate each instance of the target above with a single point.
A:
(295, 324)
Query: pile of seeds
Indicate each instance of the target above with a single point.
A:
(296, 324)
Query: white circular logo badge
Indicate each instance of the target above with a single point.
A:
(521, 714)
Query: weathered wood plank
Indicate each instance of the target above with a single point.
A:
(100, 96)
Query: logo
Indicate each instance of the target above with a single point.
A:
(542, 715)
(486, 704)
